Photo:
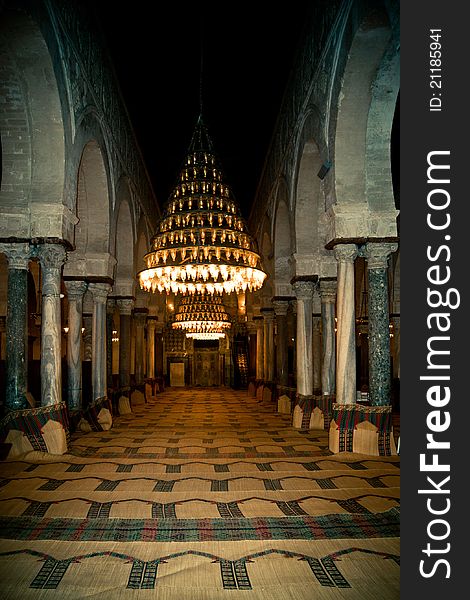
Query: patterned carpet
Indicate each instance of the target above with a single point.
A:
(201, 494)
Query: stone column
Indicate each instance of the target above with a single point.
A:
(396, 346)
(151, 327)
(379, 333)
(317, 353)
(125, 306)
(328, 300)
(281, 306)
(87, 337)
(110, 306)
(18, 256)
(345, 254)
(3, 329)
(362, 348)
(100, 293)
(268, 337)
(87, 319)
(259, 347)
(75, 292)
(52, 257)
(140, 317)
(159, 350)
(303, 290)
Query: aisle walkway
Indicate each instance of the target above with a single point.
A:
(203, 494)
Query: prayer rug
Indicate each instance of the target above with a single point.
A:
(200, 494)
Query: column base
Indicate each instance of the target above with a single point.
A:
(98, 415)
(124, 406)
(362, 430)
(323, 411)
(268, 391)
(35, 432)
(286, 397)
(302, 413)
(251, 389)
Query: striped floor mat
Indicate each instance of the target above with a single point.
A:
(201, 494)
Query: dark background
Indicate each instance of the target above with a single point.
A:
(247, 54)
(422, 132)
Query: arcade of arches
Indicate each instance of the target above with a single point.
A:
(317, 347)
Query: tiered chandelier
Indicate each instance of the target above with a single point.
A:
(202, 244)
(202, 317)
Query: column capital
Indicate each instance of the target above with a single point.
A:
(75, 288)
(125, 304)
(345, 252)
(51, 256)
(251, 326)
(18, 255)
(152, 323)
(110, 306)
(140, 315)
(268, 314)
(303, 289)
(327, 289)
(377, 254)
(281, 305)
(99, 291)
(258, 322)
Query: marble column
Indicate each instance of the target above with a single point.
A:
(317, 353)
(18, 256)
(159, 351)
(125, 306)
(328, 300)
(259, 347)
(3, 330)
(100, 293)
(110, 306)
(52, 257)
(75, 292)
(268, 338)
(379, 333)
(396, 346)
(87, 319)
(151, 327)
(362, 348)
(345, 254)
(87, 336)
(303, 290)
(281, 307)
(140, 317)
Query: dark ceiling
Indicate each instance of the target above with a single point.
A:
(247, 54)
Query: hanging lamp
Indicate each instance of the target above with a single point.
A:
(202, 244)
(202, 316)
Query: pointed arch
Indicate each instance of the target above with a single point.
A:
(283, 267)
(124, 281)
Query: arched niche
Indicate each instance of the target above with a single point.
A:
(267, 256)
(124, 278)
(91, 256)
(308, 204)
(283, 267)
(33, 140)
(92, 230)
(143, 298)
